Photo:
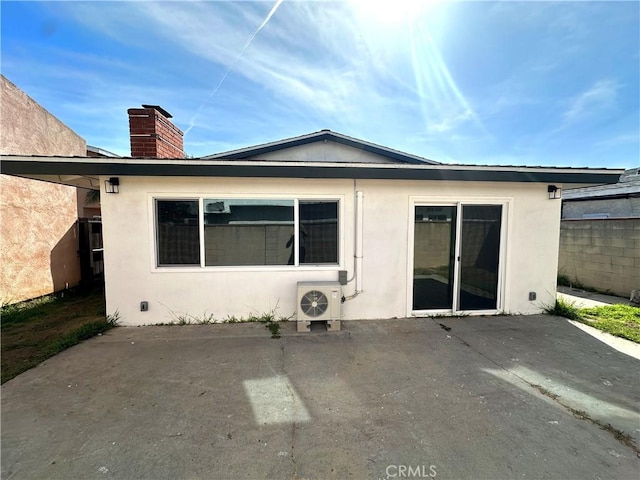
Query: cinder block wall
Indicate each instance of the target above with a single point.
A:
(603, 253)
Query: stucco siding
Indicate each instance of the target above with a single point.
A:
(530, 236)
(29, 129)
(38, 246)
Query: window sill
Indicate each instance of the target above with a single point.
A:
(265, 269)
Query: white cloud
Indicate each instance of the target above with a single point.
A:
(322, 60)
(273, 60)
(621, 139)
(597, 98)
(451, 122)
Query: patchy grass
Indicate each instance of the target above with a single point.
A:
(38, 329)
(620, 320)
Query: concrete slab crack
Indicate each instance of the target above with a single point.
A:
(294, 425)
(618, 434)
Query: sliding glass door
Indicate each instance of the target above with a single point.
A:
(456, 257)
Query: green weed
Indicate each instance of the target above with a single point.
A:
(114, 319)
(178, 318)
(563, 308)
(271, 319)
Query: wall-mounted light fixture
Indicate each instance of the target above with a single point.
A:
(112, 185)
(554, 192)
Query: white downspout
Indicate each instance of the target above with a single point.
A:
(358, 246)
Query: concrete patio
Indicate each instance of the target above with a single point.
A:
(490, 397)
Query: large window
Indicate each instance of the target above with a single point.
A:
(246, 232)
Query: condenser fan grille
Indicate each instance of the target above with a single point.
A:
(314, 303)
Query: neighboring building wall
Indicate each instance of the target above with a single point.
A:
(38, 245)
(531, 233)
(602, 254)
(618, 200)
(86, 209)
(603, 207)
(91, 209)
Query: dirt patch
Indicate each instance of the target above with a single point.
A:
(34, 331)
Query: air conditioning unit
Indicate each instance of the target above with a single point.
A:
(318, 301)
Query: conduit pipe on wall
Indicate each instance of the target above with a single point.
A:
(357, 257)
(358, 246)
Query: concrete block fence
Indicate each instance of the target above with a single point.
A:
(601, 253)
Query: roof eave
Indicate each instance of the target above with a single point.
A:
(32, 167)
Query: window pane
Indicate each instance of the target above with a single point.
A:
(248, 232)
(318, 232)
(178, 238)
(433, 257)
(480, 252)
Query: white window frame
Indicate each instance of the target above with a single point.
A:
(200, 197)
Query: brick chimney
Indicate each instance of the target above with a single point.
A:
(152, 133)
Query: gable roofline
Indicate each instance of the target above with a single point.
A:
(322, 135)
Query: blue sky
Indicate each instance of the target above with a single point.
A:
(511, 83)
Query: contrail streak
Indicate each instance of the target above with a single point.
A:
(230, 67)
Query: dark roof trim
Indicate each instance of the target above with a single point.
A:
(283, 170)
(159, 109)
(602, 197)
(245, 153)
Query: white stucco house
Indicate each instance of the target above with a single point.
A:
(393, 234)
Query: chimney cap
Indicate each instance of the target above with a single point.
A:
(160, 109)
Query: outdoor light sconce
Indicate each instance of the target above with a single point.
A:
(112, 185)
(554, 192)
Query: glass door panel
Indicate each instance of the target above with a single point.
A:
(433, 257)
(479, 257)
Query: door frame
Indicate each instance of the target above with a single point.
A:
(458, 202)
